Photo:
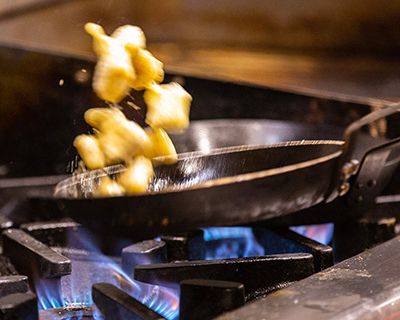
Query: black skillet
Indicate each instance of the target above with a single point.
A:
(227, 186)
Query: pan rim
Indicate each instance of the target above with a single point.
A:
(62, 185)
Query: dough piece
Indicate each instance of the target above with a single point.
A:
(114, 70)
(98, 117)
(113, 75)
(89, 150)
(162, 147)
(168, 107)
(138, 175)
(109, 188)
(148, 70)
(131, 37)
(123, 140)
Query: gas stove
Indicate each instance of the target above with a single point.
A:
(311, 264)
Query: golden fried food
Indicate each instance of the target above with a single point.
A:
(109, 188)
(137, 176)
(99, 117)
(131, 37)
(89, 150)
(148, 69)
(168, 107)
(162, 147)
(114, 70)
(124, 64)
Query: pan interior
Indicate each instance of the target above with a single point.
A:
(226, 164)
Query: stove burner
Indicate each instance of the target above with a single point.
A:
(167, 262)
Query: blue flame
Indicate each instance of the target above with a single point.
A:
(322, 233)
(92, 267)
(231, 242)
(49, 292)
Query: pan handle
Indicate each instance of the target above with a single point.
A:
(372, 165)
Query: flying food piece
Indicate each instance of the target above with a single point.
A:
(138, 175)
(162, 147)
(112, 147)
(99, 117)
(100, 43)
(114, 70)
(109, 188)
(122, 139)
(113, 75)
(131, 37)
(168, 107)
(89, 150)
(124, 64)
(148, 69)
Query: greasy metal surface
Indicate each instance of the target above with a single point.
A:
(258, 274)
(30, 256)
(250, 184)
(117, 304)
(365, 287)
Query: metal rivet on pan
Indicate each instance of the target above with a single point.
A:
(350, 168)
(344, 188)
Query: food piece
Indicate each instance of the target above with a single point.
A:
(162, 146)
(114, 70)
(123, 63)
(122, 139)
(99, 117)
(137, 176)
(113, 75)
(168, 107)
(131, 37)
(112, 148)
(109, 188)
(89, 150)
(126, 141)
(148, 70)
(100, 43)
(119, 138)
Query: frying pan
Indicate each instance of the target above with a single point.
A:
(234, 185)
